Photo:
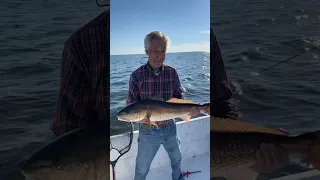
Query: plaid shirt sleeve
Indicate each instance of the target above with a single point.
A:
(133, 92)
(83, 97)
(73, 95)
(222, 102)
(177, 92)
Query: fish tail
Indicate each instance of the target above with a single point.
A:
(207, 108)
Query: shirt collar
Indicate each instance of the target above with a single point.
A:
(149, 67)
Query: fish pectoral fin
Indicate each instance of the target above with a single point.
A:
(150, 123)
(157, 97)
(186, 118)
(181, 101)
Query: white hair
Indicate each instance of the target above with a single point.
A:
(155, 35)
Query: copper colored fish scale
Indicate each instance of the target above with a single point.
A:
(234, 143)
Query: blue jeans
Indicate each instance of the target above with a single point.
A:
(149, 142)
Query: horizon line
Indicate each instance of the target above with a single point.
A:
(166, 53)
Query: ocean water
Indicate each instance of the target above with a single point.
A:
(256, 34)
(32, 36)
(253, 35)
(193, 69)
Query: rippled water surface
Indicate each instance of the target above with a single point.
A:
(256, 34)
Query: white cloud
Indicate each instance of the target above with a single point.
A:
(205, 32)
(189, 47)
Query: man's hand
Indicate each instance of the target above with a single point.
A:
(270, 158)
(143, 121)
(313, 156)
(148, 122)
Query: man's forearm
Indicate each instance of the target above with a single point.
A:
(222, 103)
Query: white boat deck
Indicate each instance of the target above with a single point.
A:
(195, 149)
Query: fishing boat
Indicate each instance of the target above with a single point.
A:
(195, 141)
(195, 149)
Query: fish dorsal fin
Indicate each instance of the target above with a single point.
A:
(237, 126)
(181, 101)
(158, 98)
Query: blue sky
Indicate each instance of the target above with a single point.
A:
(186, 22)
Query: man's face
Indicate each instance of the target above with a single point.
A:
(156, 53)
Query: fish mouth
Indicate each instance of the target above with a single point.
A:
(128, 119)
(29, 170)
(28, 173)
(122, 119)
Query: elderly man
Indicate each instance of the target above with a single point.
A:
(156, 79)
